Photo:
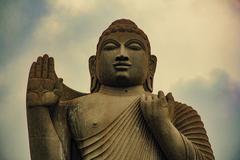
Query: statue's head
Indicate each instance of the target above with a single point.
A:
(123, 58)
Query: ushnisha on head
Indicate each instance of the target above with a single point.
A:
(123, 25)
(123, 58)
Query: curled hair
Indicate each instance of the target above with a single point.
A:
(123, 25)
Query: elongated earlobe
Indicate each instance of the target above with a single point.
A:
(148, 85)
(95, 85)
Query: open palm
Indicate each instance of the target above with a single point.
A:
(44, 87)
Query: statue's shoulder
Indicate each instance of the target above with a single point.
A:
(79, 101)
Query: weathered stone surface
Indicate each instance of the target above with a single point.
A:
(120, 118)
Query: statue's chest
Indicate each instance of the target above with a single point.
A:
(93, 115)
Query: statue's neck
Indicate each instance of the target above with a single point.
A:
(126, 91)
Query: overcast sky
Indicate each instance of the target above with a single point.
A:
(197, 44)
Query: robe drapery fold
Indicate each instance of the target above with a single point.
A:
(194, 135)
(128, 137)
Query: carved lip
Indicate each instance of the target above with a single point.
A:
(122, 65)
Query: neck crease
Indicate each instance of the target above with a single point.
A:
(126, 91)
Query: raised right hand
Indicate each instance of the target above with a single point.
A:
(44, 87)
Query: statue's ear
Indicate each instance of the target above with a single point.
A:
(95, 85)
(148, 85)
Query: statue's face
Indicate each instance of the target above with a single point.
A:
(122, 60)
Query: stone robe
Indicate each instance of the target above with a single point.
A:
(124, 134)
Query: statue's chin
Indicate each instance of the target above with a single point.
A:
(122, 79)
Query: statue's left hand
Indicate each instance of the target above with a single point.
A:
(156, 108)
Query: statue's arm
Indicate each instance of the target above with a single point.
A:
(43, 138)
(184, 137)
(180, 133)
(191, 128)
(48, 133)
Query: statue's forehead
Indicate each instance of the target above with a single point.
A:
(123, 36)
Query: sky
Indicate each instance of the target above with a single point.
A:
(197, 44)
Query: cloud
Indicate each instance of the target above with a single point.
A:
(18, 20)
(13, 123)
(193, 37)
(74, 7)
(190, 39)
(63, 36)
(182, 34)
(216, 98)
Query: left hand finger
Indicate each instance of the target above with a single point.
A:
(170, 98)
(162, 99)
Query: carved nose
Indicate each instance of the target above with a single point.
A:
(122, 57)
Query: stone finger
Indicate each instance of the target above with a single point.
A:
(57, 92)
(170, 98)
(32, 70)
(59, 84)
(51, 70)
(160, 94)
(45, 66)
(39, 67)
(162, 98)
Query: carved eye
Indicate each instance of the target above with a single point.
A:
(134, 46)
(109, 46)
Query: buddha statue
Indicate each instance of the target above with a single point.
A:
(120, 119)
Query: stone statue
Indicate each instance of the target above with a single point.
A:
(120, 119)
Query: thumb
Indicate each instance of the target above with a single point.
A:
(58, 87)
